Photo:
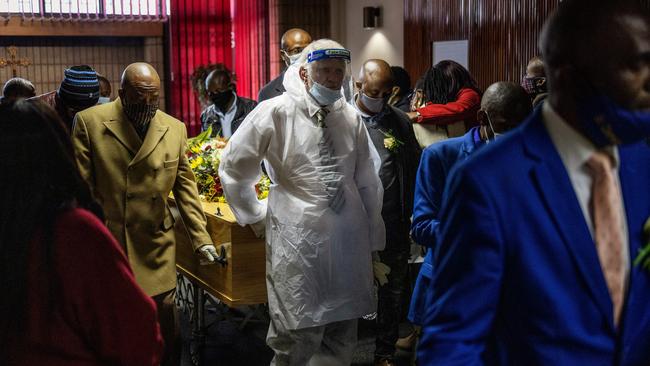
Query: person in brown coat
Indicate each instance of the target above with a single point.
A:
(133, 156)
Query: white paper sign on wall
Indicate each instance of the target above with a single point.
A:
(451, 50)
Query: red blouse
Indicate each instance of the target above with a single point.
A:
(100, 315)
(464, 108)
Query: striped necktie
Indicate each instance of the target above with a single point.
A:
(329, 168)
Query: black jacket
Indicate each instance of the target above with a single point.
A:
(272, 89)
(244, 107)
(404, 103)
(399, 179)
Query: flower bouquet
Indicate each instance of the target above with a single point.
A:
(204, 155)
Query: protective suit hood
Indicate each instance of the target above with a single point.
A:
(296, 89)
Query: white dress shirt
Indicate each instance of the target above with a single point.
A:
(227, 118)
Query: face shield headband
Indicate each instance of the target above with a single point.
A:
(328, 53)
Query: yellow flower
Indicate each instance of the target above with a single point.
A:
(389, 143)
(195, 164)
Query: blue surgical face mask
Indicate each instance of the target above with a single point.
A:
(324, 95)
(374, 105)
(607, 123)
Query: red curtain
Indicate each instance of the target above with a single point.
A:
(200, 34)
(251, 33)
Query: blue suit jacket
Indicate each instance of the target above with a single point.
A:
(435, 165)
(524, 279)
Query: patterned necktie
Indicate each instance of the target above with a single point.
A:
(320, 117)
(607, 220)
(330, 175)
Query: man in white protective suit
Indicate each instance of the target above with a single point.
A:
(323, 218)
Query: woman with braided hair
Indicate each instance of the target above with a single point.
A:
(446, 103)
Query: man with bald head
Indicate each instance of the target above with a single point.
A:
(291, 45)
(393, 137)
(16, 89)
(133, 155)
(535, 259)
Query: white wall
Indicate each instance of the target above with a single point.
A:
(386, 42)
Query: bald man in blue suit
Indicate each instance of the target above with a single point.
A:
(517, 277)
(504, 105)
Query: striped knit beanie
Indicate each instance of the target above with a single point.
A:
(80, 87)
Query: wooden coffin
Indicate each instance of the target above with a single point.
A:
(242, 280)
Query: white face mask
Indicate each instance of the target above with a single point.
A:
(292, 58)
(324, 95)
(103, 100)
(374, 105)
(491, 129)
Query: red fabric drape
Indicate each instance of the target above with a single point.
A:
(200, 34)
(251, 33)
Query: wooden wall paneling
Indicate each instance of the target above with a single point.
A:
(51, 55)
(29, 70)
(38, 74)
(52, 65)
(97, 62)
(502, 34)
(77, 58)
(312, 16)
(103, 56)
(5, 72)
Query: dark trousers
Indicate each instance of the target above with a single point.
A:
(169, 327)
(389, 307)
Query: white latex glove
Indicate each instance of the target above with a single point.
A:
(209, 252)
(380, 270)
(259, 228)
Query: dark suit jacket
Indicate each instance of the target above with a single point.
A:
(272, 89)
(516, 270)
(398, 169)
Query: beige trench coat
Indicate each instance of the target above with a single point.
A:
(132, 179)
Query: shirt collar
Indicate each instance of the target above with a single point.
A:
(574, 149)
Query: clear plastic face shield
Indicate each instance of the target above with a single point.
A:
(329, 75)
